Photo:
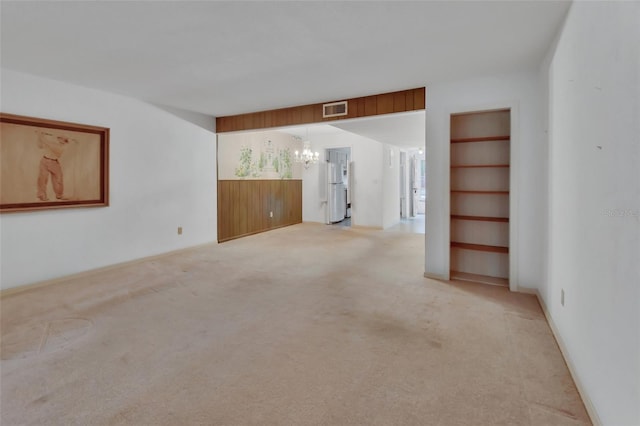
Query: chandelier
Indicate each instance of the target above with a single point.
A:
(307, 157)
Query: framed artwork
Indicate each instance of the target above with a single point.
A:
(47, 164)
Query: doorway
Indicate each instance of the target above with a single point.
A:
(412, 187)
(418, 182)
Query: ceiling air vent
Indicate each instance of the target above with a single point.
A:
(334, 109)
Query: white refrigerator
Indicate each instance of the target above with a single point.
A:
(336, 195)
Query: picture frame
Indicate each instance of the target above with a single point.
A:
(49, 164)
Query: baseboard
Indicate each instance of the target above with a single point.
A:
(29, 287)
(528, 290)
(435, 276)
(260, 231)
(591, 409)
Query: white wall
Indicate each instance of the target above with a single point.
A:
(594, 208)
(521, 92)
(367, 195)
(390, 186)
(162, 175)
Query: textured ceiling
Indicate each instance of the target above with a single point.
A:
(405, 130)
(223, 58)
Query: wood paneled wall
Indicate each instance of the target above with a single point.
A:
(245, 206)
(386, 103)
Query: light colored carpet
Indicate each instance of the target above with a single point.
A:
(305, 325)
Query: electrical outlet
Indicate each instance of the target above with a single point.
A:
(179, 230)
(562, 297)
(270, 214)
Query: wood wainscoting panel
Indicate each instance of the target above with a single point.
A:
(385, 103)
(247, 207)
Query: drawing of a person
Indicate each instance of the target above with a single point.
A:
(53, 147)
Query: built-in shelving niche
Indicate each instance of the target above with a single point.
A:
(480, 166)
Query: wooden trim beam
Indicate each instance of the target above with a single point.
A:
(385, 103)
